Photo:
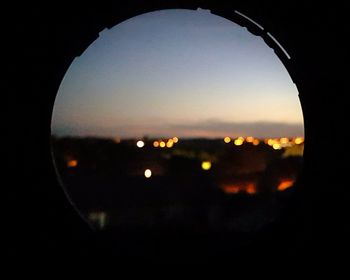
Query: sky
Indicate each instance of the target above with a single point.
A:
(177, 73)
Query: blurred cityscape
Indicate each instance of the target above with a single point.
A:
(239, 184)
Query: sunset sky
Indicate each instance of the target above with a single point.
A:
(177, 73)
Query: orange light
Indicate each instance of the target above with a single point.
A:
(170, 143)
(175, 139)
(227, 139)
(251, 189)
(231, 189)
(162, 144)
(285, 184)
(250, 139)
(72, 163)
(256, 142)
(247, 188)
(155, 144)
(284, 140)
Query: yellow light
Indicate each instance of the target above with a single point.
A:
(256, 142)
(155, 144)
(170, 143)
(175, 139)
(148, 173)
(284, 140)
(250, 139)
(270, 142)
(206, 165)
(227, 139)
(238, 142)
(162, 144)
(72, 163)
(140, 144)
(276, 146)
(299, 140)
(295, 150)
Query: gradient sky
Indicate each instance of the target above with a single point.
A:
(177, 73)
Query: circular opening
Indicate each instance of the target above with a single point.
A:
(178, 119)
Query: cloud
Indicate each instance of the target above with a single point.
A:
(207, 129)
(215, 128)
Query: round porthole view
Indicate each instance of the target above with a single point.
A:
(178, 119)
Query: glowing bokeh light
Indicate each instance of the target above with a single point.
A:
(170, 143)
(148, 173)
(140, 144)
(270, 142)
(276, 146)
(206, 165)
(299, 140)
(285, 184)
(250, 139)
(227, 139)
(231, 189)
(251, 189)
(162, 144)
(256, 142)
(239, 141)
(155, 144)
(175, 139)
(72, 163)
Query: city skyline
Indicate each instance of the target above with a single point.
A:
(177, 73)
